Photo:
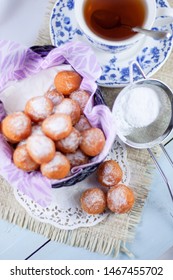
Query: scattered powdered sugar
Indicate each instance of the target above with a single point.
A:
(40, 107)
(37, 130)
(23, 157)
(92, 136)
(40, 145)
(55, 96)
(77, 158)
(19, 123)
(66, 107)
(93, 199)
(82, 97)
(23, 142)
(72, 141)
(108, 175)
(23, 153)
(58, 161)
(69, 107)
(118, 197)
(82, 124)
(57, 124)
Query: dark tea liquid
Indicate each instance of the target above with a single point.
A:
(130, 12)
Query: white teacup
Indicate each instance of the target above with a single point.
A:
(151, 14)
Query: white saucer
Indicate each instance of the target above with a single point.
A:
(149, 53)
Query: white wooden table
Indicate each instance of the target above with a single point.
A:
(154, 234)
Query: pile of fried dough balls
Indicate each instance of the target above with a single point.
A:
(117, 197)
(52, 134)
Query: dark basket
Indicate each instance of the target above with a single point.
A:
(98, 99)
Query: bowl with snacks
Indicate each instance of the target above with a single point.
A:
(55, 126)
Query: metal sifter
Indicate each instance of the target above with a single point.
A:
(154, 133)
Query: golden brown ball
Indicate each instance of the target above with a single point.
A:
(55, 96)
(16, 127)
(57, 126)
(57, 168)
(22, 159)
(93, 201)
(38, 108)
(70, 143)
(109, 173)
(40, 148)
(82, 97)
(82, 124)
(69, 107)
(93, 141)
(67, 81)
(77, 158)
(120, 199)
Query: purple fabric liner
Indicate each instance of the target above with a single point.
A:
(18, 62)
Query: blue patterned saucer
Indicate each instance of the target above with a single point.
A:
(149, 53)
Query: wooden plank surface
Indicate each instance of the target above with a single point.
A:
(17, 243)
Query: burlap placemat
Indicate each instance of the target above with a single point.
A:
(111, 235)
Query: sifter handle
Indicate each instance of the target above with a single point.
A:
(166, 154)
(161, 171)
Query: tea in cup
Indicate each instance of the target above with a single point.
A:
(107, 24)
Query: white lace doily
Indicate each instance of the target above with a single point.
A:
(64, 211)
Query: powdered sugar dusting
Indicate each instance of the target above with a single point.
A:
(37, 130)
(82, 124)
(23, 142)
(92, 136)
(19, 123)
(71, 142)
(53, 165)
(69, 107)
(108, 174)
(66, 107)
(94, 199)
(118, 197)
(23, 153)
(82, 97)
(55, 96)
(40, 107)
(77, 158)
(40, 145)
(23, 160)
(57, 124)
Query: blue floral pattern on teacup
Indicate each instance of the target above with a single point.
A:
(150, 54)
(105, 47)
